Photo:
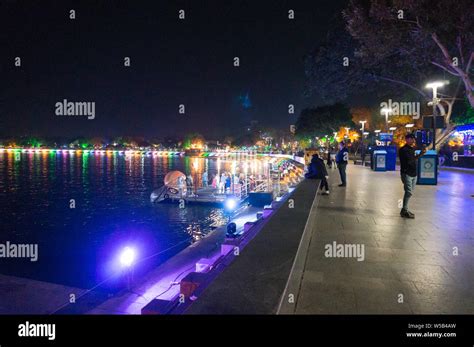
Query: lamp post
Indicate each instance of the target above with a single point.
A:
(362, 130)
(346, 136)
(386, 111)
(434, 86)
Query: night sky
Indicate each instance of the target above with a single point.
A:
(173, 62)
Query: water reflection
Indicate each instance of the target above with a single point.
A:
(78, 246)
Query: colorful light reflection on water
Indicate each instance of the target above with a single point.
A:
(79, 246)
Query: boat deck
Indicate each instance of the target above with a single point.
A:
(206, 195)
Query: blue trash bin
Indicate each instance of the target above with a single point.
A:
(391, 158)
(380, 160)
(428, 168)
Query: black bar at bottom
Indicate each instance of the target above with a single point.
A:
(320, 330)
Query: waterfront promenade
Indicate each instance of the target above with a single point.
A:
(425, 265)
(420, 266)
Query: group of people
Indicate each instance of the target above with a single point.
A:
(317, 167)
(185, 181)
(408, 170)
(223, 182)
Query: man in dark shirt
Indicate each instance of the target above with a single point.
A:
(408, 160)
(342, 158)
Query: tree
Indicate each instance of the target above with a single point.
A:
(31, 141)
(362, 114)
(323, 120)
(194, 141)
(418, 36)
(463, 114)
(400, 45)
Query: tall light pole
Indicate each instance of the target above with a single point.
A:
(386, 111)
(362, 130)
(434, 86)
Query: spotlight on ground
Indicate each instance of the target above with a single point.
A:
(127, 257)
(230, 204)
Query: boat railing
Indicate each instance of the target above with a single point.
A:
(261, 187)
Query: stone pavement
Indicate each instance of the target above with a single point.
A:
(419, 266)
(25, 296)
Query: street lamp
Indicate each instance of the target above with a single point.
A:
(363, 125)
(386, 111)
(411, 125)
(392, 129)
(434, 86)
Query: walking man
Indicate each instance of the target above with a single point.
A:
(408, 172)
(342, 158)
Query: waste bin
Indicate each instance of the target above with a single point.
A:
(428, 168)
(390, 159)
(380, 160)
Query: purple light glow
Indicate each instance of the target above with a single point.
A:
(127, 257)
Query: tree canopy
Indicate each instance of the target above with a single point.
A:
(322, 120)
(400, 45)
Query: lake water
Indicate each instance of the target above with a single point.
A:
(80, 246)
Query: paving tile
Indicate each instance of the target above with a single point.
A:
(422, 273)
(316, 298)
(419, 257)
(410, 257)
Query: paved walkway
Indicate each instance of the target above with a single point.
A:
(410, 266)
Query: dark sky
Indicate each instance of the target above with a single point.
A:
(173, 62)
